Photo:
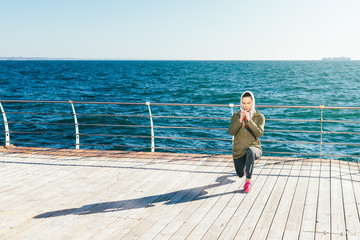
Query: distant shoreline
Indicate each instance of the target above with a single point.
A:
(336, 59)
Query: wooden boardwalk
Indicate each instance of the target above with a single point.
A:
(88, 194)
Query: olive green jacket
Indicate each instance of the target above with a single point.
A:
(246, 137)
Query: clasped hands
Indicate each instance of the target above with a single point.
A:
(244, 116)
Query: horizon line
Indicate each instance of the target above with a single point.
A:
(159, 59)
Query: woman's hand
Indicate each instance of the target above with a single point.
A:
(242, 116)
(247, 116)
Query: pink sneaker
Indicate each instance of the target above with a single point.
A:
(247, 187)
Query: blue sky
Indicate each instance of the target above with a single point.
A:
(181, 29)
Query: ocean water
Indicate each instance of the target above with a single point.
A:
(289, 83)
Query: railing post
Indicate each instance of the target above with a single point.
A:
(231, 105)
(321, 130)
(77, 144)
(152, 129)
(7, 132)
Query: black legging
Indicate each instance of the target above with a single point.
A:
(252, 154)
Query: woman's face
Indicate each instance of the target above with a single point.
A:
(247, 103)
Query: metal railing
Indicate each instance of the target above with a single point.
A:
(151, 135)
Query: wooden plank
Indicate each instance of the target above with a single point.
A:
(323, 217)
(350, 188)
(168, 191)
(338, 229)
(293, 224)
(307, 230)
(355, 178)
(71, 191)
(212, 216)
(32, 190)
(197, 225)
(279, 221)
(169, 195)
(182, 223)
(28, 210)
(228, 209)
(155, 224)
(244, 206)
(131, 205)
(31, 180)
(264, 222)
(134, 186)
(106, 205)
(7, 170)
(251, 221)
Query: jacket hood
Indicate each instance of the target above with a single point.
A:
(253, 106)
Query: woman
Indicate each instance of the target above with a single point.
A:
(247, 126)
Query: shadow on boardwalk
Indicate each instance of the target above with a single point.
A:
(176, 197)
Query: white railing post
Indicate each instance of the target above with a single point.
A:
(7, 132)
(152, 129)
(231, 105)
(321, 130)
(77, 143)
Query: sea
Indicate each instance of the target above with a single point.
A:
(125, 127)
